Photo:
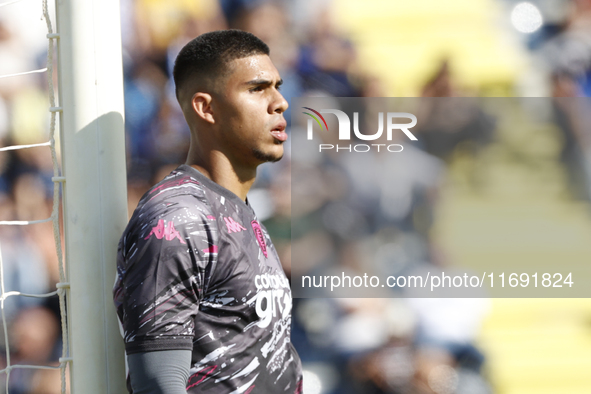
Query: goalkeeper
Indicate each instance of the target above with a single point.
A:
(200, 292)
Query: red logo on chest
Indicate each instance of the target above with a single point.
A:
(258, 232)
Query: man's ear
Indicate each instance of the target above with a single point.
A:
(201, 104)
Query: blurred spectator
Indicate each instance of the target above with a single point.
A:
(47, 381)
(33, 339)
(571, 115)
(447, 124)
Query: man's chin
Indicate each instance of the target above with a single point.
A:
(267, 156)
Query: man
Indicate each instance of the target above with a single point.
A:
(203, 299)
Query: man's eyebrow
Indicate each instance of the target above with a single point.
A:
(264, 82)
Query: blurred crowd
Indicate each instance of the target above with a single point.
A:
(389, 345)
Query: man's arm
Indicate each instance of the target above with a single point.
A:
(159, 372)
(164, 265)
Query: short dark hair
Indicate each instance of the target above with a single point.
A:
(207, 56)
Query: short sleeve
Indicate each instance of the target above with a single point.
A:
(164, 265)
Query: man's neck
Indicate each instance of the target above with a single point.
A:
(219, 169)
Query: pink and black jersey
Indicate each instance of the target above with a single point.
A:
(197, 271)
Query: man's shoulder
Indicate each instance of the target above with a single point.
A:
(177, 184)
(179, 197)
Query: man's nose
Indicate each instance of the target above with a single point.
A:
(279, 104)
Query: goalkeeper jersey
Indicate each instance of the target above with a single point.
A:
(197, 271)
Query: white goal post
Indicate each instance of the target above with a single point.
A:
(95, 206)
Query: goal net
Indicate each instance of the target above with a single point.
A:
(91, 179)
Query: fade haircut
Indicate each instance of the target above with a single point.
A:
(206, 58)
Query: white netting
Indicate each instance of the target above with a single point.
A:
(62, 285)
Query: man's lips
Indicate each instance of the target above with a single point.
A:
(279, 131)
